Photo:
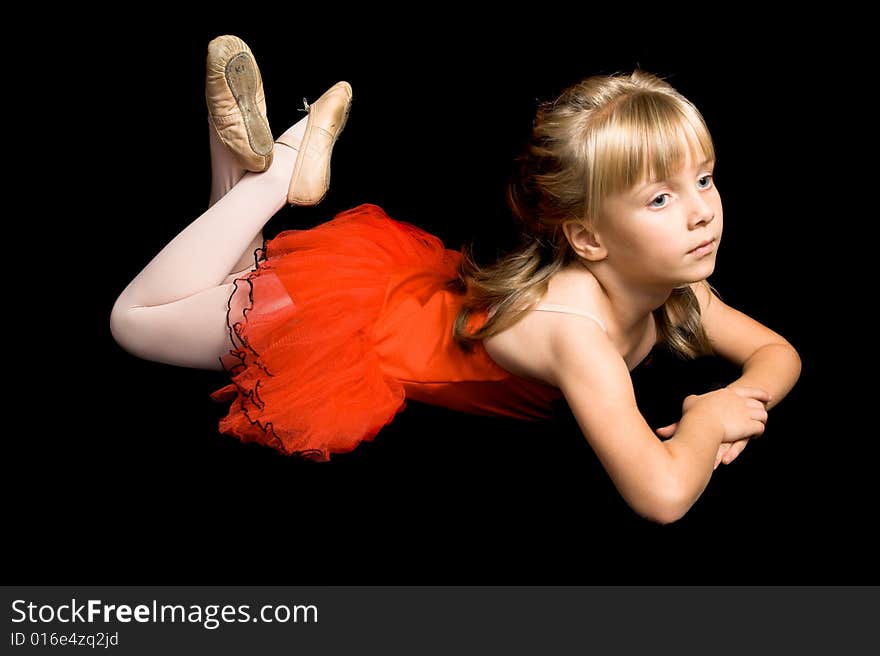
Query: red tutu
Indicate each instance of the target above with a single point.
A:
(338, 323)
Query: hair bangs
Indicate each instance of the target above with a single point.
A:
(644, 138)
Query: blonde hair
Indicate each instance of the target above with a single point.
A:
(600, 137)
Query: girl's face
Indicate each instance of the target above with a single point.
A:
(652, 230)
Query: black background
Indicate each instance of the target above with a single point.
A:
(119, 474)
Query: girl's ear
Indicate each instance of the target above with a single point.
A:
(584, 241)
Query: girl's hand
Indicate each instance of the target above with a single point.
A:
(727, 451)
(740, 410)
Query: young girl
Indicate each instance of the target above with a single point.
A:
(326, 332)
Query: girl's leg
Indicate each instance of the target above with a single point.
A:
(225, 174)
(174, 311)
(225, 171)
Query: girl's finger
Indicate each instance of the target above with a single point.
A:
(722, 450)
(667, 430)
(735, 449)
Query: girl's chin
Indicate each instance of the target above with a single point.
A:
(702, 275)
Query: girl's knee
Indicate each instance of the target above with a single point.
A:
(191, 332)
(122, 324)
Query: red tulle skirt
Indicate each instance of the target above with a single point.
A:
(306, 379)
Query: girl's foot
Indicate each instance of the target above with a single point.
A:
(311, 174)
(237, 104)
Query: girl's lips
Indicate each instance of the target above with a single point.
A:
(703, 249)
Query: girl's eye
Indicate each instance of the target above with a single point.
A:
(656, 199)
(707, 177)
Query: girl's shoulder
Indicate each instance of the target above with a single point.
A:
(526, 348)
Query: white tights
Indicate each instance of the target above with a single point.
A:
(174, 311)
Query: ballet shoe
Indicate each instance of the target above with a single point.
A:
(311, 173)
(237, 103)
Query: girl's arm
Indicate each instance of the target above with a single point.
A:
(768, 361)
(597, 385)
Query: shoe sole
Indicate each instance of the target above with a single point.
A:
(306, 137)
(241, 76)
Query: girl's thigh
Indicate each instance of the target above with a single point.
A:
(191, 332)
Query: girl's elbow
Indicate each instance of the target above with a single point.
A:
(798, 362)
(665, 507)
(796, 358)
(795, 365)
(669, 513)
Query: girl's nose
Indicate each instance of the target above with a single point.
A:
(701, 211)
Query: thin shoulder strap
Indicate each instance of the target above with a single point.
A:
(565, 309)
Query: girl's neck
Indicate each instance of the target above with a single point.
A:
(627, 307)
